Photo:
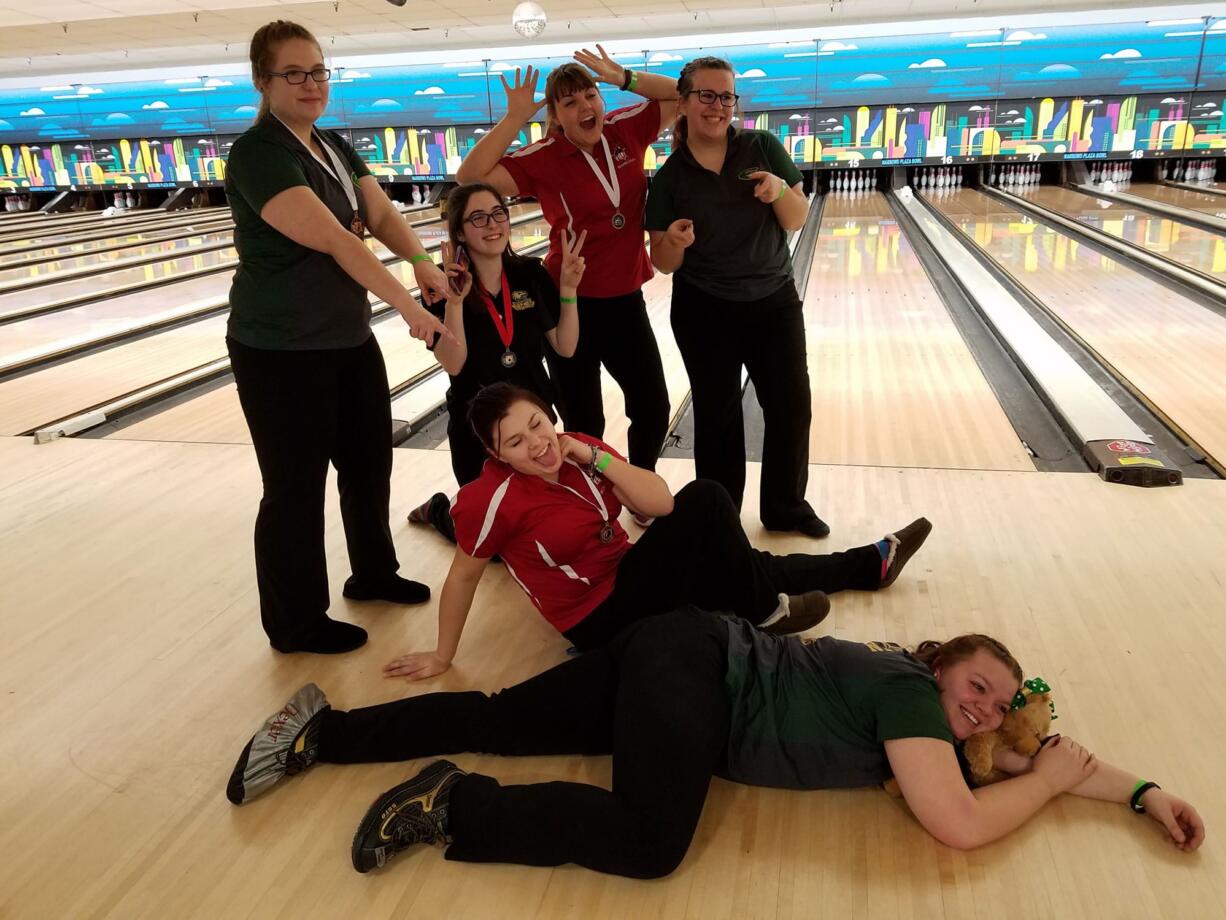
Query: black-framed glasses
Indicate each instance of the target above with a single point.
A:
(707, 96)
(481, 219)
(298, 77)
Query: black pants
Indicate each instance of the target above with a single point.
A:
(306, 409)
(615, 332)
(655, 699)
(767, 337)
(700, 555)
(468, 454)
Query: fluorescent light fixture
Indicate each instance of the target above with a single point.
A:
(1174, 22)
(975, 33)
(802, 54)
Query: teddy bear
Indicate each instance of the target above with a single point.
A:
(1023, 730)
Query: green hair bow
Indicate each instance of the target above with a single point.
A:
(1034, 685)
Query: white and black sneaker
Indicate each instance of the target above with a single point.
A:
(286, 744)
(413, 812)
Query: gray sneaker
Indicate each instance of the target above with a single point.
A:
(411, 813)
(286, 744)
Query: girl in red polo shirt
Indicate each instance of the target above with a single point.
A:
(587, 174)
(548, 503)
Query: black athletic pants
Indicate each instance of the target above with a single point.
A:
(654, 698)
(306, 409)
(700, 555)
(615, 332)
(766, 337)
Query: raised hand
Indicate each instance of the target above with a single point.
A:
(573, 264)
(603, 67)
(459, 278)
(521, 97)
(680, 233)
(768, 186)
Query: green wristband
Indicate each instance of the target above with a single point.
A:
(603, 463)
(783, 190)
(420, 257)
(634, 80)
(568, 299)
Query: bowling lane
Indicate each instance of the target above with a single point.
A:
(893, 382)
(216, 417)
(43, 237)
(74, 385)
(19, 301)
(51, 333)
(93, 243)
(1191, 246)
(1205, 202)
(122, 222)
(1169, 347)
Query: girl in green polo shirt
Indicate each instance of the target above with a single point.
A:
(677, 699)
(718, 213)
(310, 376)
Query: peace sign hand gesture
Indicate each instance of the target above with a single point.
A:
(521, 97)
(604, 67)
(573, 264)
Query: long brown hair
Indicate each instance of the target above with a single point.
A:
(457, 204)
(491, 405)
(562, 81)
(264, 45)
(942, 654)
(685, 83)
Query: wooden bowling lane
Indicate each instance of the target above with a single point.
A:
(1205, 202)
(893, 382)
(110, 250)
(216, 417)
(55, 331)
(102, 266)
(125, 222)
(1195, 247)
(110, 235)
(1168, 347)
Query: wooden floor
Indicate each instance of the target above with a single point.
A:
(134, 669)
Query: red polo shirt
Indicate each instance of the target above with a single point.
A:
(555, 173)
(547, 535)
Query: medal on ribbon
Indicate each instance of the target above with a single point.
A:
(505, 324)
(612, 185)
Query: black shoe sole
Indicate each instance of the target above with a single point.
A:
(364, 859)
(235, 788)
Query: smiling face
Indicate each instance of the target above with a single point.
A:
(976, 692)
(526, 441)
(304, 102)
(491, 239)
(708, 121)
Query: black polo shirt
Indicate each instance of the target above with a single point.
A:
(285, 295)
(740, 251)
(535, 306)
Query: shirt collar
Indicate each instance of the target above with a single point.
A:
(688, 157)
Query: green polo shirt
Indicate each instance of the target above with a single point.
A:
(740, 251)
(814, 714)
(286, 296)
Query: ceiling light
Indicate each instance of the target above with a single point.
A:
(528, 19)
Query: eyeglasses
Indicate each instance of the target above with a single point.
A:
(707, 96)
(297, 77)
(481, 219)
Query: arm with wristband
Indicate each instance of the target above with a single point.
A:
(653, 86)
(782, 187)
(639, 489)
(564, 337)
(482, 163)
(387, 226)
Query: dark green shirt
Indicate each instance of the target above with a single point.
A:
(814, 714)
(285, 295)
(740, 251)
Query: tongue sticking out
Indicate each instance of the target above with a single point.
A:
(547, 458)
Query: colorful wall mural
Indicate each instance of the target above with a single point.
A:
(1136, 89)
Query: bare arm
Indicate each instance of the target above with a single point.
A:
(789, 203)
(481, 164)
(564, 337)
(931, 782)
(300, 215)
(452, 354)
(389, 227)
(454, 604)
(668, 246)
(642, 490)
(649, 85)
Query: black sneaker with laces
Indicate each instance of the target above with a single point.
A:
(286, 744)
(413, 812)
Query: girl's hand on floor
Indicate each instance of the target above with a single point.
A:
(416, 666)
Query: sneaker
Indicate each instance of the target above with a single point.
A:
(804, 611)
(285, 745)
(903, 545)
(411, 813)
(422, 513)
